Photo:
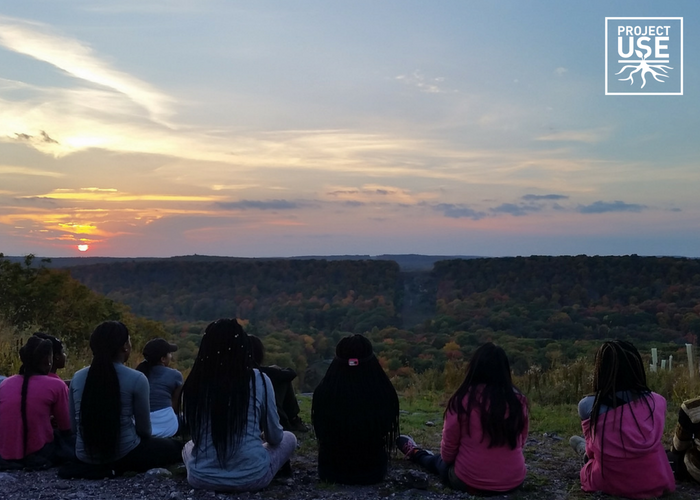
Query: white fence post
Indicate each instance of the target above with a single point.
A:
(691, 367)
(654, 358)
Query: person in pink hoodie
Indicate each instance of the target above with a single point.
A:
(623, 425)
(486, 426)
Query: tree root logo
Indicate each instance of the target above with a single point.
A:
(643, 56)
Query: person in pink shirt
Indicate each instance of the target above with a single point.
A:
(623, 425)
(28, 402)
(486, 425)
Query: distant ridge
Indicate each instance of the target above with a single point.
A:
(407, 262)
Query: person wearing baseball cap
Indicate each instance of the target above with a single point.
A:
(165, 384)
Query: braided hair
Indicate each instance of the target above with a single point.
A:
(100, 408)
(488, 386)
(355, 397)
(618, 367)
(216, 396)
(36, 356)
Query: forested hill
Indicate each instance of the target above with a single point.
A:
(650, 298)
(644, 298)
(304, 295)
(407, 262)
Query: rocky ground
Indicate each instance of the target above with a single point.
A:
(552, 474)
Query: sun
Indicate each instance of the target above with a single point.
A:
(83, 248)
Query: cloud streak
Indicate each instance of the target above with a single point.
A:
(36, 40)
(601, 207)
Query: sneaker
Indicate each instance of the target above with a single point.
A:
(406, 445)
(578, 444)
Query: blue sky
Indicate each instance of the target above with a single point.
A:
(292, 128)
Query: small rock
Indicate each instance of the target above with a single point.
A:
(7, 478)
(159, 472)
(176, 495)
(430, 423)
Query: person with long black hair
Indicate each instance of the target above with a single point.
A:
(486, 425)
(28, 403)
(355, 415)
(623, 425)
(110, 412)
(228, 407)
(165, 385)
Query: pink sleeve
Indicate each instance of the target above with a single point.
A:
(451, 433)
(60, 408)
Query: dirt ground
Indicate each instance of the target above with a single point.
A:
(552, 474)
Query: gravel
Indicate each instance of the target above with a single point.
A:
(552, 474)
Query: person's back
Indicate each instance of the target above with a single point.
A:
(46, 398)
(355, 414)
(623, 424)
(486, 425)
(134, 420)
(110, 412)
(626, 456)
(477, 462)
(228, 407)
(165, 384)
(249, 460)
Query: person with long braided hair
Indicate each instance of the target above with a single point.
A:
(623, 425)
(355, 415)
(109, 407)
(28, 402)
(228, 407)
(486, 426)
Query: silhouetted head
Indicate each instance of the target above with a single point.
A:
(36, 356)
(489, 365)
(354, 347)
(110, 340)
(257, 350)
(618, 367)
(59, 354)
(156, 352)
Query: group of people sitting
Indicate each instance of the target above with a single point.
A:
(227, 421)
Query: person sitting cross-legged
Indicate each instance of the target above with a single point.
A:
(228, 407)
(486, 425)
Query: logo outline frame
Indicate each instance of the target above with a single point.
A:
(607, 81)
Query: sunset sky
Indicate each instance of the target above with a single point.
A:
(283, 128)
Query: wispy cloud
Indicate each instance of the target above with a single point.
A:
(259, 205)
(17, 170)
(430, 85)
(458, 211)
(112, 195)
(591, 136)
(38, 41)
(516, 210)
(600, 207)
(538, 197)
